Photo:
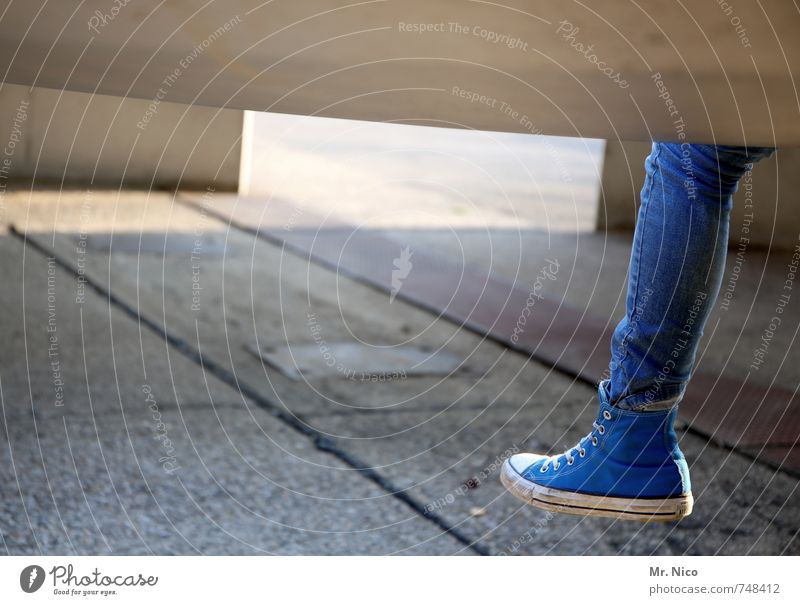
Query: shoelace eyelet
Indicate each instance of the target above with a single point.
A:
(544, 468)
(594, 441)
(556, 465)
(571, 461)
(606, 414)
(582, 453)
(601, 429)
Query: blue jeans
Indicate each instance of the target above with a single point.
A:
(676, 268)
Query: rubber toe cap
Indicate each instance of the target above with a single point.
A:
(521, 462)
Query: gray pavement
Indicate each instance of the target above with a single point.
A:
(147, 453)
(250, 479)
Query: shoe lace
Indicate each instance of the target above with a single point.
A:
(579, 447)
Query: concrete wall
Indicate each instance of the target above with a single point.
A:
(83, 140)
(771, 194)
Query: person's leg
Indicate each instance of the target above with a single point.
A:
(676, 267)
(630, 465)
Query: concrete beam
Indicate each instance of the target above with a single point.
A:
(607, 69)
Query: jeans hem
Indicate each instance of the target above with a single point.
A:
(666, 397)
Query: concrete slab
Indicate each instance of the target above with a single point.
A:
(429, 436)
(147, 453)
(357, 361)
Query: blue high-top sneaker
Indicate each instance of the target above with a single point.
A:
(628, 467)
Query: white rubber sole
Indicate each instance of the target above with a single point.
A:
(571, 503)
